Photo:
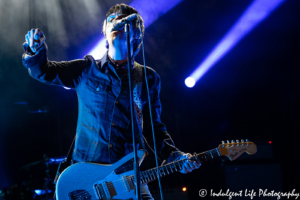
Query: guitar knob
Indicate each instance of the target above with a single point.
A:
(247, 140)
(242, 140)
(227, 141)
(223, 142)
(232, 141)
(237, 141)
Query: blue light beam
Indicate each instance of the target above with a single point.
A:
(149, 11)
(255, 13)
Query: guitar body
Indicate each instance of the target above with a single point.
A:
(91, 181)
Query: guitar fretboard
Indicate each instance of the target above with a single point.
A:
(152, 174)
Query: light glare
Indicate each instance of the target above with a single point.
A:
(190, 82)
(255, 13)
(149, 11)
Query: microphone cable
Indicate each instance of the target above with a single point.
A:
(150, 110)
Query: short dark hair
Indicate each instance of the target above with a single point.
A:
(127, 10)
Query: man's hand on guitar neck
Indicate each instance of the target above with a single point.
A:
(189, 165)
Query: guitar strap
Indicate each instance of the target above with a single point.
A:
(63, 165)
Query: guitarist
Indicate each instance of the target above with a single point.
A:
(103, 128)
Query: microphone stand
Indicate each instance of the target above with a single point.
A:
(136, 166)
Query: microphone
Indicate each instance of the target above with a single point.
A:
(119, 24)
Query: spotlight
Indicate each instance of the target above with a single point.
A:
(190, 82)
(184, 189)
(255, 13)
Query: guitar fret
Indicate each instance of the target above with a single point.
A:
(153, 174)
(173, 167)
(159, 172)
(163, 171)
(180, 165)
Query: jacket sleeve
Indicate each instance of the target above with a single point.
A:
(165, 146)
(66, 73)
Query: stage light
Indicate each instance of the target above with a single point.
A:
(255, 13)
(190, 82)
(150, 12)
(40, 192)
(270, 142)
(184, 189)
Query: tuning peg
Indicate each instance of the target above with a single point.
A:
(223, 142)
(237, 141)
(242, 140)
(247, 140)
(228, 141)
(232, 141)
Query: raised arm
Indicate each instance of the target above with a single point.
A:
(66, 73)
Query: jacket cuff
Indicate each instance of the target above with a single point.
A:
(30, 59)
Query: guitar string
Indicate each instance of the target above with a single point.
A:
(162, 167)
(111, 184)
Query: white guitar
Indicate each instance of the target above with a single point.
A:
(90, 181)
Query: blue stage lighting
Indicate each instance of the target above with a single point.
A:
(150, 12)
(190, 82)
(255, 13)
(40, 192)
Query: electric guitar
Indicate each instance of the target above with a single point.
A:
(89, 181)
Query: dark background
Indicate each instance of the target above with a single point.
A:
(252, 93)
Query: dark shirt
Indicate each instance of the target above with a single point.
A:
(103, 128)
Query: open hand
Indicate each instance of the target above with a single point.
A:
(189, 165)
(35, 38)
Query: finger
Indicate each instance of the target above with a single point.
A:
(36, 34)
(196, 165)
(27, 39)
(31, 37)
(183, 170)
(188, 166)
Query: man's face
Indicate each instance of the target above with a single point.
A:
(113, 37)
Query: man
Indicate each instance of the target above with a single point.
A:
(104, 128)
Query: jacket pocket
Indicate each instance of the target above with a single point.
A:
(96, 94)
(96, 86)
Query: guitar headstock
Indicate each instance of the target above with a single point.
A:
(236, 148)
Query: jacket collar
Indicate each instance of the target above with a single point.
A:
(104, 59)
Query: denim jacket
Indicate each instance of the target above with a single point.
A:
(103, 128)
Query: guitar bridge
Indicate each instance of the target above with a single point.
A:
(101, 191)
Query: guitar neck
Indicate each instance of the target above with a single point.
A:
(151, 174)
